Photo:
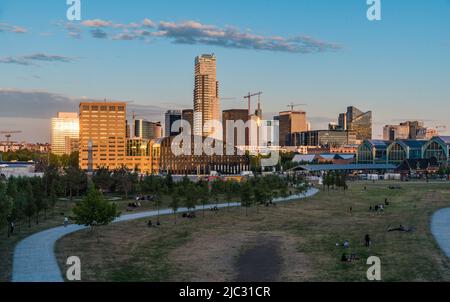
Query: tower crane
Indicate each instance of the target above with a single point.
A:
(292, 105)
(8, 135)
(249, 97)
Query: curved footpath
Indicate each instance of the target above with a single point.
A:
(440, 228)
(35, 260)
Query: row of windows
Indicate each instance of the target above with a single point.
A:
(103, 108)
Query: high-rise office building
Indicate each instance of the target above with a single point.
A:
(103, 124)
(206, 95)
(147, 130)
(171, 117)
(356, 120)
(291, 122)
(65, 133)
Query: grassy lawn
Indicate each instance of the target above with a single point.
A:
(210, 249)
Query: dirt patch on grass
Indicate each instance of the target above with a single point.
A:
(261, 261)
(248, 256)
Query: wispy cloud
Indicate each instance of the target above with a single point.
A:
(196, 33)
(32, 59)
(5, 27)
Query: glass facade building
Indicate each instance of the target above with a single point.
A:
(65, 133)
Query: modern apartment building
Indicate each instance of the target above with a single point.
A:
(64, 133)
(104, 125)
(206, 96)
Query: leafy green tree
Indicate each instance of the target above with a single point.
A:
(189, 201)
(102, 179)
(246, 197)
(38, 195)
(5, 206)
(259, 196)
(157, 199)
(203, 195)
(28, 199)
(175, 203)
(94, 210)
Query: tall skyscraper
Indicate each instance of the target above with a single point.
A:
(65, 133)
(171, 117)
(206, 95)
(104, 124)
(147, 130)
(291, 122)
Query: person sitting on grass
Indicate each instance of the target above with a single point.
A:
(346, 244)
(344, 257)
(149, 224)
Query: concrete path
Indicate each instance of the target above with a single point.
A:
(35, 260)
(440, 228)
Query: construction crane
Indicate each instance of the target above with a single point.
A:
(249, 97)
(292, 105)
(8, 135)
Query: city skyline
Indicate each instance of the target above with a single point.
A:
(396, 67)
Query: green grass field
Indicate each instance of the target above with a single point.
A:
(306, 231)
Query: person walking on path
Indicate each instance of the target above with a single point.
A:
(367, 240)
(66, 221)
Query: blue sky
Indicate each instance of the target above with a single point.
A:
(326, 54)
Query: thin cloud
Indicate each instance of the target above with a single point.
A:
(5, 27)
(99, 34)
(18, 103)
(32, 59)
(196, 33)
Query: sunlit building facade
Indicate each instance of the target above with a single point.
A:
(65, 133)
(104, 124)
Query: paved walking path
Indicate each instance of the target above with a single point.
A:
(440, 228)
(35, 260)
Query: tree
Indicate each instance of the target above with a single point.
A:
(189, 194)
(94, 210)
(259, 196)
(124, 180)
(203, 193)
(38, 195)
(5, 206)
(175, 203)
(246, 197)
(28, 199)
(102, 179)
(157, 200)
